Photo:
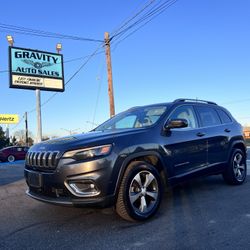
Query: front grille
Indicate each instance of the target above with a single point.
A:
(42, 159)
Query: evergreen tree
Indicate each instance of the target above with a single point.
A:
(3, 139)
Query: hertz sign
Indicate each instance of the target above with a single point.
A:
(34, 69)
(9, 119)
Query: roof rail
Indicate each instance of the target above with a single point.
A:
(193, 100)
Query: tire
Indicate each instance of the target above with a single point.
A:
(140, 192)
(11, 158)
(236, 171)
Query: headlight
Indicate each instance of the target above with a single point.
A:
(88, 153)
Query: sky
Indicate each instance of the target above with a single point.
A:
(194, 49)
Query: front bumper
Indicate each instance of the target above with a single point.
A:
(51, 186)
(67, 201)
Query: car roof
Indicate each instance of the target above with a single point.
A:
(177, 102)
(151, 105)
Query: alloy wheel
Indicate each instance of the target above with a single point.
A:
(143, 192)
(239, 167)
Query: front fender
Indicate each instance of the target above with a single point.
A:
(133, 157)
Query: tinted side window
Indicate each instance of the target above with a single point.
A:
(185, 112)
(208, 116)
(225, 118)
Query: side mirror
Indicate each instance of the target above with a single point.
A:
(176, 123)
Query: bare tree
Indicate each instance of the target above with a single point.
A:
(20, 135)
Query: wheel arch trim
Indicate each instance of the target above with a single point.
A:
(133, 157)
(237, 144)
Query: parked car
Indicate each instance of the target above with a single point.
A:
(11, 154)
(128, 159)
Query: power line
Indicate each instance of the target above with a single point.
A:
(66, 61)
(80, 68)
(100, 80)
(81, 58)
(71, 78)
(136, 15)
(150, 15)
(18, 124)
(141, 26)
(128, 20)
(88, 58)
(155, 11)
(42, 33)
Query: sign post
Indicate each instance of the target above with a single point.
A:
(39, 117)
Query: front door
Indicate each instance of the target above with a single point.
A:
(186, 148)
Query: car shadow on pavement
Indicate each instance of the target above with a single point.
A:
(190, 210)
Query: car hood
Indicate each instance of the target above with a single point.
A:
(84, 140)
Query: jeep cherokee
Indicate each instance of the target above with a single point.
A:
(129, 159)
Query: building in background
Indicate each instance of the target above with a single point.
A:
(246, 131)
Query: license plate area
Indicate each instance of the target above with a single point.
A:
(34, 179)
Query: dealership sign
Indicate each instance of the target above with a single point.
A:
(9, 119)
(34, 69)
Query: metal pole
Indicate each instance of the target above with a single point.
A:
(26, 130)
(7, 132)
(110, 79)
(39, 118)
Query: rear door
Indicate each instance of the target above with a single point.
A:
(215, 133)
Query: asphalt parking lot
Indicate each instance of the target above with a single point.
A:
(203, 214)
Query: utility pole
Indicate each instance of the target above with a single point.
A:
(110, 79)
(26, 129)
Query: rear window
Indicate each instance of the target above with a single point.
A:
(208, 116)
(225, 118)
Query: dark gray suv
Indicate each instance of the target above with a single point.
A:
(128, 159)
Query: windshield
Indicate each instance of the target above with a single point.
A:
(134, 118)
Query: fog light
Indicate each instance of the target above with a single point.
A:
(82, 188)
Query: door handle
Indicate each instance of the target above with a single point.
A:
(200, 134)
(227, 130)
